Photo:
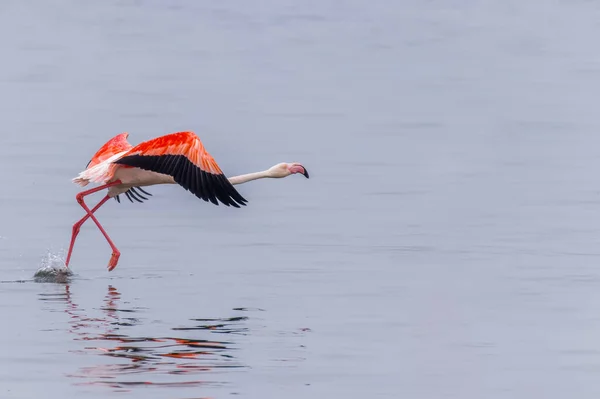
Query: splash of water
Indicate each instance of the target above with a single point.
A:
(53, 268)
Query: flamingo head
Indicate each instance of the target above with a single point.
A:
(285, 169)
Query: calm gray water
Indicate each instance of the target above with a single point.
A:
(445, 246)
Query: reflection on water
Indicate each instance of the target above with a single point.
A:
(146, 360)
(223, 326)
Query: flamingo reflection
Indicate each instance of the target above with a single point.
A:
(144, 360)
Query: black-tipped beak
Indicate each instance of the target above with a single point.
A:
(305, 172)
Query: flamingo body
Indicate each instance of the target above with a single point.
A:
(176, 158)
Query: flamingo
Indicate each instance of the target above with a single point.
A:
(176, 158)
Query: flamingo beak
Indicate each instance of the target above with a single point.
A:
(297, 168)
(305, 173)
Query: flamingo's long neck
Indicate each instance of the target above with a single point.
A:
(249, 177)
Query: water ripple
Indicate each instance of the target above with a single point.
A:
(146, 360)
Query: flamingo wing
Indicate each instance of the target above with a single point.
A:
(183, 156)
(112, 147)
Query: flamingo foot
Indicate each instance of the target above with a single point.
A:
(114, 259)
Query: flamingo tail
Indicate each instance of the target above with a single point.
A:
(98, 173)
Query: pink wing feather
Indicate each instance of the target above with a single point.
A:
(113, 146)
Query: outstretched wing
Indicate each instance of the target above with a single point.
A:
(112, 147)
(182, 156)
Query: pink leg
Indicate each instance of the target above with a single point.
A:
(77, 226)
(90, 214)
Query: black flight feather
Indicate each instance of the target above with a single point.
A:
(204, 185)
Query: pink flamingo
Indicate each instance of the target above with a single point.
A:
(176, 158)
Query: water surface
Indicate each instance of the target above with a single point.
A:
(445, 246)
